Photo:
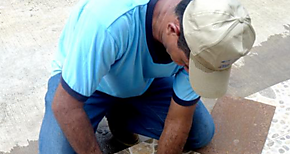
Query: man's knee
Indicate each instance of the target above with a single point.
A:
(51, 137)
(201, 139)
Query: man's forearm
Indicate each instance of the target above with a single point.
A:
(173, 138)
(176, 128)
(75, 123)
(79, 132)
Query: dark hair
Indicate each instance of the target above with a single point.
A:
(179, 11)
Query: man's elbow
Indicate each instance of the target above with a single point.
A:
(61, 102)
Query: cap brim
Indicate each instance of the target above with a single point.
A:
(208, 84)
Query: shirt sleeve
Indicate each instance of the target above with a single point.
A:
(183, 93)
(90, 53)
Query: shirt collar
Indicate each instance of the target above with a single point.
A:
(156, 49)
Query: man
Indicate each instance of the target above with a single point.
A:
(129, 61)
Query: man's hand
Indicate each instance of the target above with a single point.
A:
(74, 123)
(177, 126)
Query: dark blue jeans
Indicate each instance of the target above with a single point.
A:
(147, 115)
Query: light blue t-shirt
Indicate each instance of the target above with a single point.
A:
(104, 46)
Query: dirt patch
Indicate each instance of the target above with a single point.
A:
(29, 32)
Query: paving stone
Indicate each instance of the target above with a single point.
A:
(241, 126)
(279, 132)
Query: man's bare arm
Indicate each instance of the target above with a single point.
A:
(177, 126)
(74, 123)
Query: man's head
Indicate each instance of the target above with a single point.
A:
(213, 35)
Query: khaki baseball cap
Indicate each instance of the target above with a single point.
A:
(218, 33)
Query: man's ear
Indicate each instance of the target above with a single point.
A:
(173, 29)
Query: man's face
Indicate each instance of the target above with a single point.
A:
(170, 39)
(176, 54)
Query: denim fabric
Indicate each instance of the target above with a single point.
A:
(144, 115)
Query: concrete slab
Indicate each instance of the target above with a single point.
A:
(29, 32)
(32, 148)
(267, 65)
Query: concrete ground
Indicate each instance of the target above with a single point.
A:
(29, 32)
